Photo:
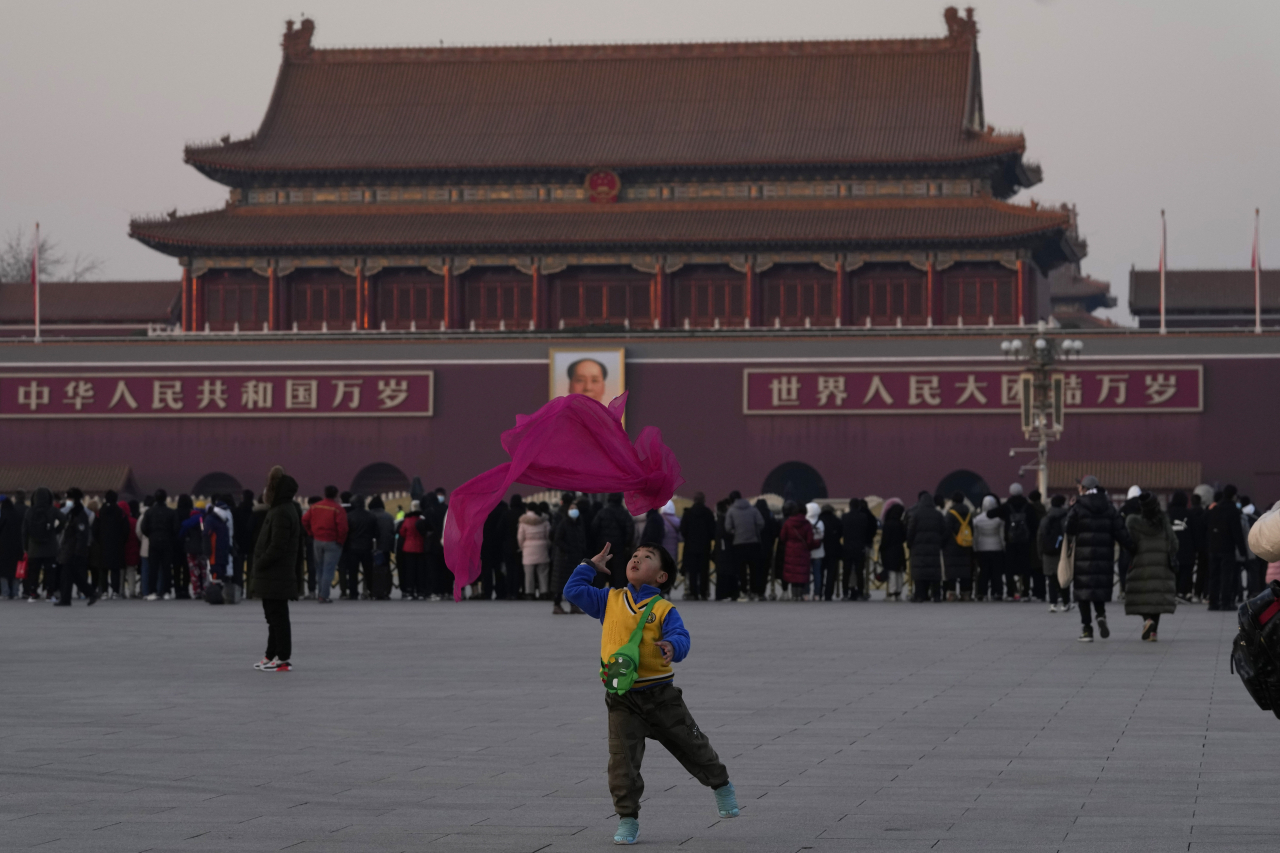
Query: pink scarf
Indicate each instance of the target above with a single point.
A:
(573, 444)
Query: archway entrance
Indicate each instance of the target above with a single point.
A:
(795, 481)
(971, 484)
(380, 478)
(217, 483)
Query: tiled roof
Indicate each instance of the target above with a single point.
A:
(620, 107)
(1117, 477)
(92, 301)
(1201, 290)
(547, 227)
(90, 479)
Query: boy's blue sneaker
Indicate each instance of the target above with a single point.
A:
(628, 830)
(726, 801)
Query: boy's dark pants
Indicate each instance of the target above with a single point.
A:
(658, 713)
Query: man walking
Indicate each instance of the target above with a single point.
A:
(326, 523)
(1097, 528)
(744, 524)
(698, 528)
(1226, 540)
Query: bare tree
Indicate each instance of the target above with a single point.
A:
(15, 260)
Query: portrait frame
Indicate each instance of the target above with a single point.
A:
(611, 359)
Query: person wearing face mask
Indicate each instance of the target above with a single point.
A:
(569, 540)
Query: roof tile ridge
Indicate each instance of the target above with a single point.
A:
(633, 50)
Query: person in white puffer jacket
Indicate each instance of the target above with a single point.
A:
(1264, 536)
(988, 547)
(534, 537)
(811, 513)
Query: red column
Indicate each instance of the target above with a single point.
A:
(197, 312)
(1022, 286)
(749, 295)
(539, 314)
(362, 300)
(930, 299)
(842, 295)
(660, 306)
(450, 298)
(186, 301)
(273, 321)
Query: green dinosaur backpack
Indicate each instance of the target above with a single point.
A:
(619, 672)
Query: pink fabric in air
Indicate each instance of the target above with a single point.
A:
(573, 444)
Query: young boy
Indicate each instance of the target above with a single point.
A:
(653, 707)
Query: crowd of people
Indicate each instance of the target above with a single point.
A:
(940, 548)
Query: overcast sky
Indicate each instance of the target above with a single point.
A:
(1129, 107)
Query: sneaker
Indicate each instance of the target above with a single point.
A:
(1066, 608)
(726, 801)
(262, 664)
(1102, 627)
(1152, 639)
(558, 610)
(152, 597)
(1053, 608)
(628, 831)
(1086, 636)
(277, 665)
(1148, 630)
(325, 600)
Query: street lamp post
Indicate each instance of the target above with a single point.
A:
(1040, 394)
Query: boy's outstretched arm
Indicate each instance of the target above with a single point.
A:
(674, 632)
(578, 589)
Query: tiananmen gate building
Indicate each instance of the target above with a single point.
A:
(799, 259)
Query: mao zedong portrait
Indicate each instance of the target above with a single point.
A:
(587, 376)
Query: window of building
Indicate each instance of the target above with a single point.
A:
(794, 294)
(889, 292)
(234, 296)
(705, 295)
(979, 292)
(321, 297)
(498, 298)
(410, 297)
(606, 296)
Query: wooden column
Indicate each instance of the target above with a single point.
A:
(186, 300)
(197, 312)
(661, 307)
(1022, 286)
(451, 314)
(273, 302)
(930, 298)
(362, 299)
(539, 285)
(842, 295)
(749, 295)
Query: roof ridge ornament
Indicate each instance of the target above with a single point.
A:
(958, 28)
(297, 43)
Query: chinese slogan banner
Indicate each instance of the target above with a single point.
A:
(211, 393)
(953, 390)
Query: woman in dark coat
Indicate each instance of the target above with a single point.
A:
(957, 560)
(569, 544)
(794, 544)
(279, 570)
(1180, 518)
(1152, 587)
(893, 538)
(925, 532)
(1097, 527)
(768, 536)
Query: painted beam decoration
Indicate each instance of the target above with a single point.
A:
(212, 392)
(1118, 389)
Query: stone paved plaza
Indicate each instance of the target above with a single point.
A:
(436, 726)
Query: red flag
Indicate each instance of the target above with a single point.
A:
(1257, 277)
(35, 280)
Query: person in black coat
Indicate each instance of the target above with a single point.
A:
(1198, 522)
(1123, 561)
(768, 542)
(698, 529)
(1097, 527)
(111, 531)
(893, 536)
(1179, 518)
(569, 550)
(832, 552)
(491, 577)
(614, 525)
(925, 531)
(73, 550)
(279, 567)
(512, 556)
(957, 559)
(160, 526)
(434, 508)
(859, 530)
(10, 548)
(242, 519)
(1226, 541)
(357, 550)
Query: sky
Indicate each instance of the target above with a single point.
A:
(1130, 107)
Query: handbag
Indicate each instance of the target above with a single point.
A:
(1067, 562)
(21, 574)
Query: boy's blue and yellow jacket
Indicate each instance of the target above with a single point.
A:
(618, 611)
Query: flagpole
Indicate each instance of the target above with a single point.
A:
(1163, 239)
(1257, 277)
(35, 280)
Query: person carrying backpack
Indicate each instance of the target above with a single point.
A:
(957, 549)
(1019, 534)
(1050, 539)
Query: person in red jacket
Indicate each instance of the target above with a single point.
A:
(412, 558)
(326, 523)
(795, 542)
